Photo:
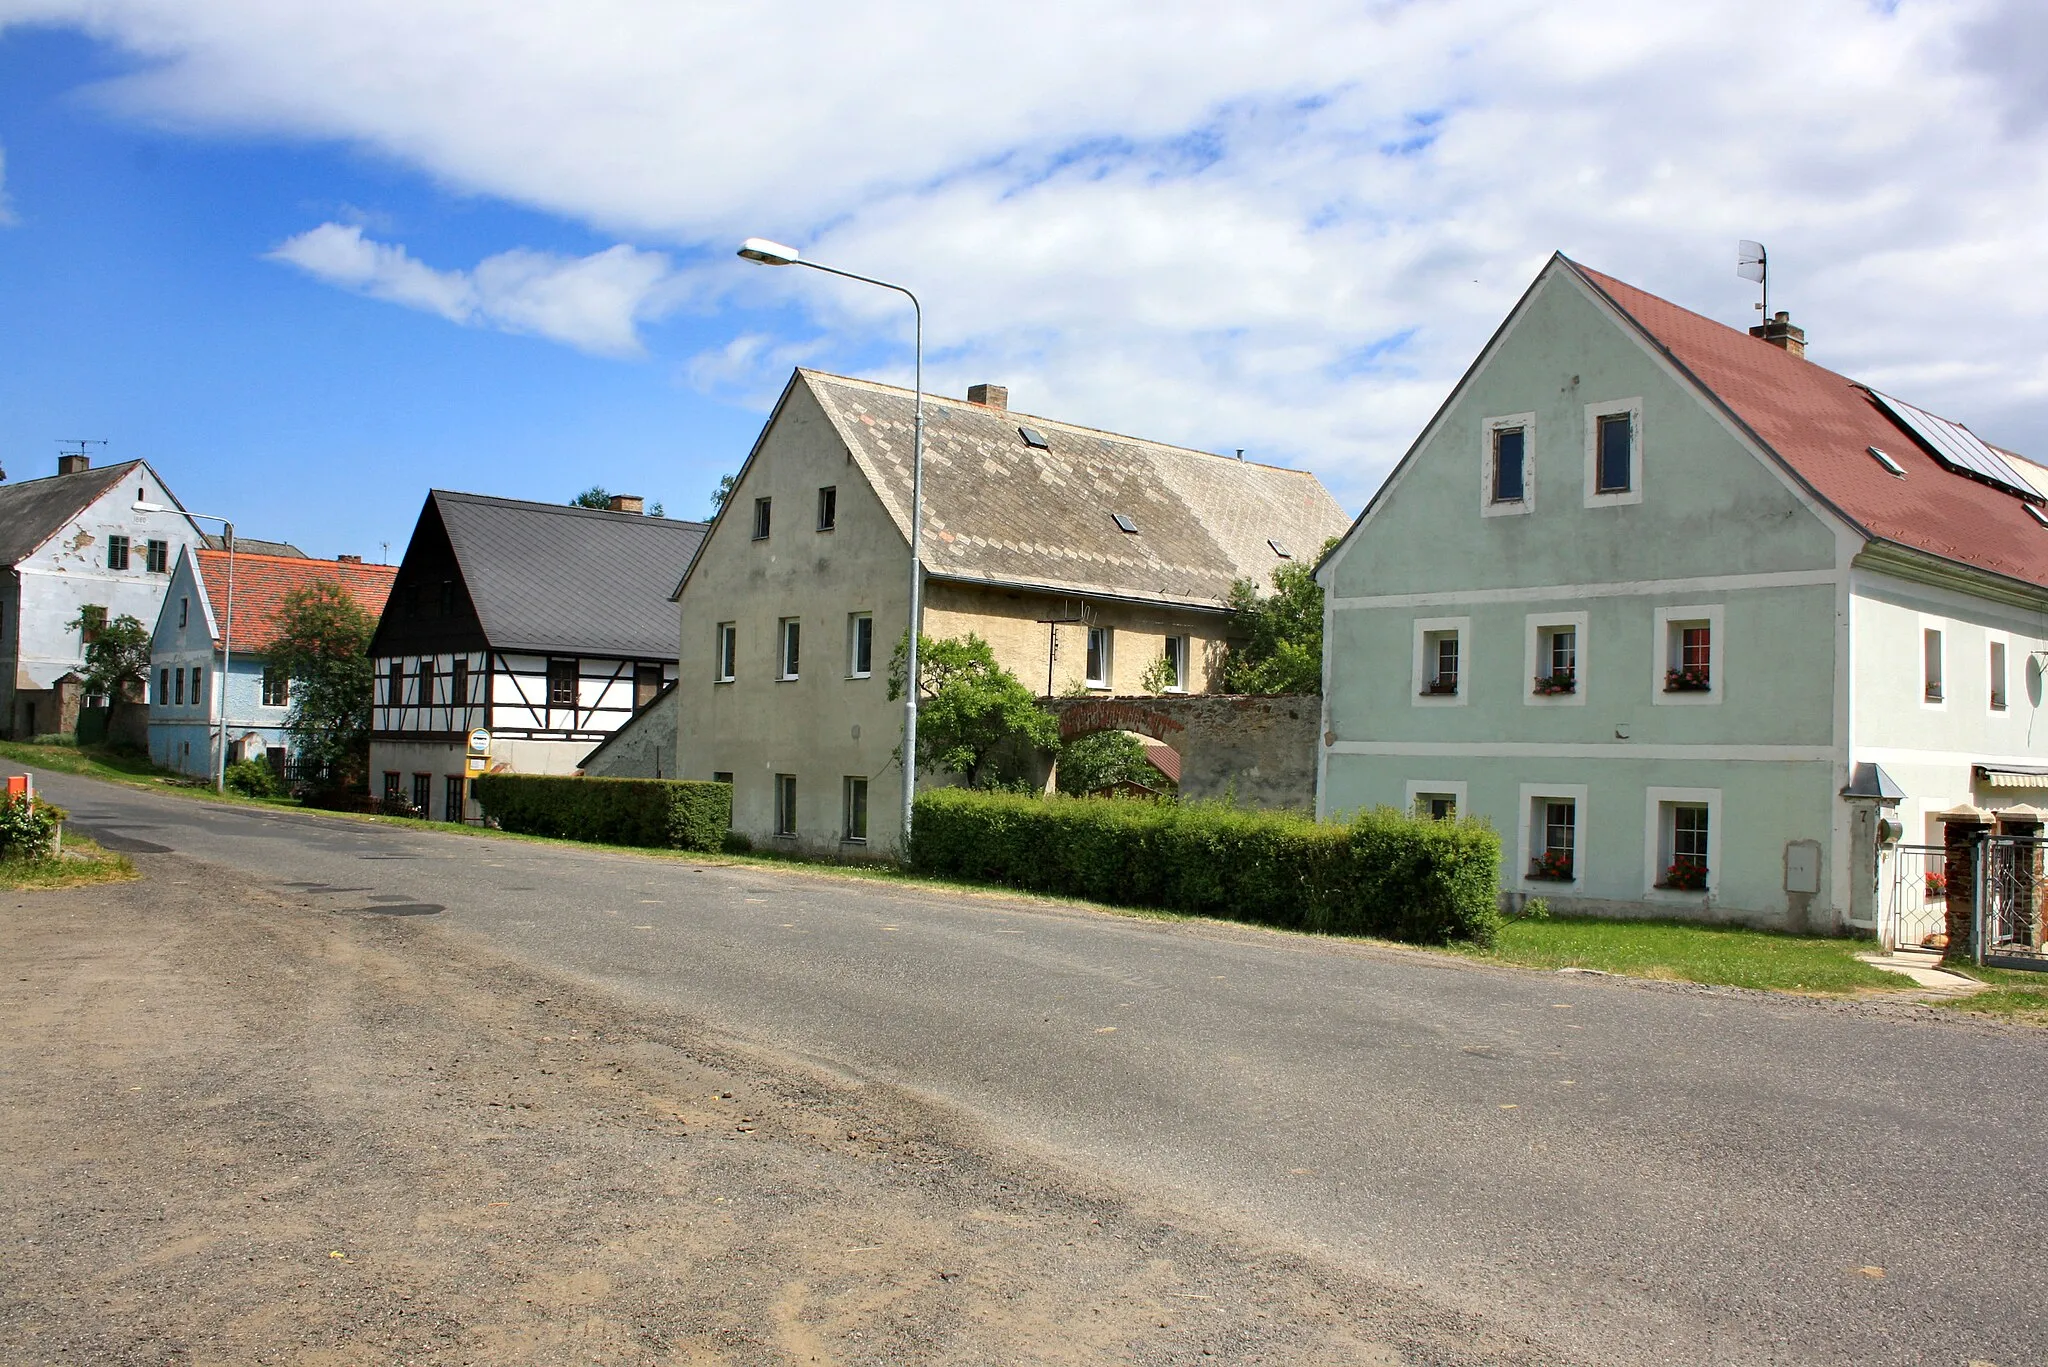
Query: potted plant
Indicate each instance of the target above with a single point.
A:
(1686, 681)
(1552, 866)
(1687, 875)
(1440, 685)
(1937, 885)
(1549, 685)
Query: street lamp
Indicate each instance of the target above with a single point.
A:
(227, 638)
(766, 253)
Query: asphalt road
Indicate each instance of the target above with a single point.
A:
(1633, 1173)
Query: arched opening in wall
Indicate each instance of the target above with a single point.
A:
(1114, 763)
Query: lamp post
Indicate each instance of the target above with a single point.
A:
(227, 638)
(766, 253)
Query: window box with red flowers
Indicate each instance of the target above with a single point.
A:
(1687, 681)
(1937, 885)
(1687, 875)
(1552, 866)
(1550, 685)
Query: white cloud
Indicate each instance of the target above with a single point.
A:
(593, 303)
(1286, 226)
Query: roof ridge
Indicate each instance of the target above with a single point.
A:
(295, 559)
(105, 470)
(569, 508)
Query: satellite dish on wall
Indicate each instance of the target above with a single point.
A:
(1752, 262)
(2034, 672)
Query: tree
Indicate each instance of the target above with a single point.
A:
(116, 654)
(1104, 759)
(722, 492)
(596, 496)
(1283, 649)
(322, 645)
(974, 716)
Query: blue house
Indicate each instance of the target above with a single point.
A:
(185, 687)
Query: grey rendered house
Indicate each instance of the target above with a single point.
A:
(1081, 556)
(1670, 605)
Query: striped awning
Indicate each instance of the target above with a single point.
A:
(2010, 776)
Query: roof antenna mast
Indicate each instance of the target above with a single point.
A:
(1752, 262)
(78, 446)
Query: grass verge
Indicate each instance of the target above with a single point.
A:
(130, 770)
(83, 861)
(2013, 994)
(1725, 956)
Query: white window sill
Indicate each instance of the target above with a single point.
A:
(860, 675)
(788, 678)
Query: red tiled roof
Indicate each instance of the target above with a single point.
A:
(1819, 425)
(262, 581)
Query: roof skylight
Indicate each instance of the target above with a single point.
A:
(1034, 438)
(1279, 549)
(2036, 514)
(1124, 522)
(1887, 462)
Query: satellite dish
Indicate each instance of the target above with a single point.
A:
(1752, 262)
(2034, 679)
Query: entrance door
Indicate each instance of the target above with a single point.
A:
(455, 806)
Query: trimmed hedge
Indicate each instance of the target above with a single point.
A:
(666, 813)
(1385, 873)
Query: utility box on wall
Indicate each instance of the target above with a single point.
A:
(1802, 866)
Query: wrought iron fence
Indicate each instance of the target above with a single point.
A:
(1916, 899)
(2012, 903)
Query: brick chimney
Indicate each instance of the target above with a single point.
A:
(357, 560)
(73, 463)
(1780, 333)
(989, 395)
(627, 503)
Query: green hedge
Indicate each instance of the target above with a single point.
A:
(668, 813)
(1384, 874)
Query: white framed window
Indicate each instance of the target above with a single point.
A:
(791, 638)
(1995, 664)
(1933, 663)
(1176, 658)
(1100, 645)
(1553, 836)
(860, 645)
(1553, 647)
(855, 826)
(785, 804)
(1438, 675)
(828, 508)
(1681, 842)
(1507, 465)
(1440, 799)
(276, 687)
(728, 651)
(1614, 452)
(762, 508)
(1688, 667)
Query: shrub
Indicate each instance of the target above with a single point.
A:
(1383, 873)
(27, 827)
(254, 778)
(665, 813)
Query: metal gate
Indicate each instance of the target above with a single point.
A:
(2009, 922)
(1916, 897)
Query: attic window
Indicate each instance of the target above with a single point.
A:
(1034, 438)
(1279, 549)
(1124, 522)
(1886, 461)
(2036, 514)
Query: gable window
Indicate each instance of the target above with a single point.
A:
(1504, 465)
(1552, 648)
(792, 639)
(728, 651)
(856, 825)
(761, 519)
(1930, 665)
(184, 612)
(1614, 452)
(785, 804)
(159, 560)
(1688, 664)
(117, 552)
(1176, 658)
(860, 645)
(1098, 657)
(1998, 676)
(1617, 454)
(1437, 674)
(459, 694)
(394, 684)
(276, 687)
(561, 683)
(447, 597)
(828, 508)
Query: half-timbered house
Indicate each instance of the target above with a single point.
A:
(544, 627)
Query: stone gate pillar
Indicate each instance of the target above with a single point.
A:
(1963, 830)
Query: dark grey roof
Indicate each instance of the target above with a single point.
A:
(35, 510)
(545, 577)
(1871, 781)
(250, 545)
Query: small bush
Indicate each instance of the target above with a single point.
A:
(28, 826)
(254, 778)
(663, 813)
(1383, 874)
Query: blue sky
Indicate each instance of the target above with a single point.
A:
(312, 260)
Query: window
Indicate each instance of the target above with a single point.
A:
(459, 694)
(1444, 663)
(1099, 663)
(1614, 452)
(860, 645)
(785, 804)
(117, 552)
(728, 650)
(454, 797)
(1688, 664)
(179, 699)
(198, 685)
(856, 810)
(1682, 846)
(394, 684)
(721, 776)
(91, 617)
(562, 683)
(828, 508)
(447, 597)
(159, 557)
(761, 519)
(1176, 658)
(1930, 665)
(422, 791)
(1557, 833)
(646, 684)
(1552, 647)
(1438, 672)
(1998, 676)
(184, 613)
(412, 600)
(1506, 481)
(427, 679)
(1689, 836)
(792, 641)
(391, 783)
(276, 687)
(1125, 523)
(1436, 799)
(163, 687)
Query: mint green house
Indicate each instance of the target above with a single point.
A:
(1683, 614)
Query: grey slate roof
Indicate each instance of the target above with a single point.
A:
(1000, 511)
(35, 510)
(249, 545)
(545, 577)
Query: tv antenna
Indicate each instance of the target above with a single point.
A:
(78, 446)
(1752, 262)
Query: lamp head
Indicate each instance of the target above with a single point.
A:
(142, 507)
(769, 253)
